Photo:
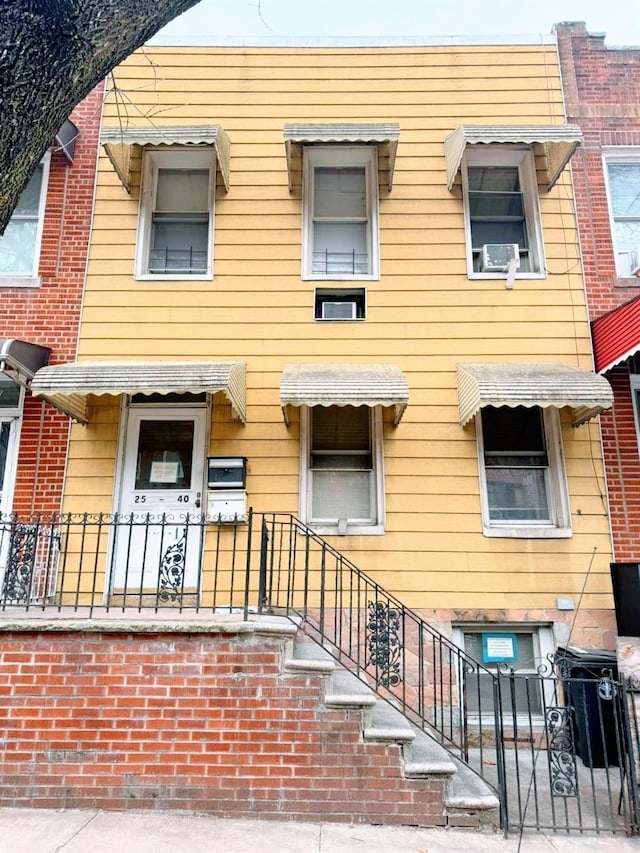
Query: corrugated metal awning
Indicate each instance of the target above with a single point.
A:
(124, 147)
(384, 136)
(19, 360)
(544, 385)
(616, 335)
(344, 385)
(553, 146)
(67, 386)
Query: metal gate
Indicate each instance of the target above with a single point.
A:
(566, 752)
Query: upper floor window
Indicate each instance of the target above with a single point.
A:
(623, 180)
(502, 216)
(20, 243)
(340, 213)
(524, 491)
(175, 236)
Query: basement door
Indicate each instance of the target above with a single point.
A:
(158, 546)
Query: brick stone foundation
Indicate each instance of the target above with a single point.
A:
(192, 719)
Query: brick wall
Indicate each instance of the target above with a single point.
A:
(602, 95)
(49, 315)
(197, 721)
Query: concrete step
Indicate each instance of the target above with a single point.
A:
(308, 657)
(427, 758)
(346, 690)
(383, 723)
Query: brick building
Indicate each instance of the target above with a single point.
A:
(43, 256)
(602, 93)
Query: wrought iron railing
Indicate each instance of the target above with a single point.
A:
(524, 734)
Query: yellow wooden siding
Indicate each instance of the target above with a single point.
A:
(424, 315)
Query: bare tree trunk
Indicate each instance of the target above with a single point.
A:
(52, 53)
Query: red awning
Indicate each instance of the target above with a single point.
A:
(616, 335)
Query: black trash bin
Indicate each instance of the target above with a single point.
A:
(588, 677)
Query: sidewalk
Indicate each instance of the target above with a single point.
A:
(74, 831)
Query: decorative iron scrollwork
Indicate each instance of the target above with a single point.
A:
(383, 642)
(16, 586)
(561, 752)
(171, 576)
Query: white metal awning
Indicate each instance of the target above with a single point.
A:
(553, 146)
(67, 386)
(384, 136)
(123, 147)
(19, 360)
(544, 385)
(344, 385)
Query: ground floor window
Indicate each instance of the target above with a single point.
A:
(519, 654)
(341, 489)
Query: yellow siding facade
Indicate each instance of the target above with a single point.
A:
(424, 314)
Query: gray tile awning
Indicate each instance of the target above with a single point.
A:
(384, 136)
(123, 147)
(67, 386)
(344, 385)
(553, 146)
(544, 385)
(19, 360)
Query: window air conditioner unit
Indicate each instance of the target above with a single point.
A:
(495, 257)
(339, 311)
(634, 261)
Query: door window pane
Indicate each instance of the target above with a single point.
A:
(165, 452)
(4, 446)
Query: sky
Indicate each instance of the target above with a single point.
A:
(273, 20)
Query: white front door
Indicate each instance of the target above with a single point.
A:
(158, 545)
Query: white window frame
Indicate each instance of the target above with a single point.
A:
(13, 416)
(176, 158)
(619, 155)
(376, 526)
(502, 155)
(559, 527)
(341, 156)
(634, 385)
(32, 279)
(544, 647)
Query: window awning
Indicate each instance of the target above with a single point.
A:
(344, 385)
(19, 360)
(124, 147)
(384, 136)
(553, 146)
(616, 335)
(66, 139)
(67, 386)
(544, 385)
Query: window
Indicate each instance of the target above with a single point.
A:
(342, 489)
(20, 243)
(501, 211)
(521, 649)
(340, 213)
(634, 381)
(344, 303)
(623, 181)
(523, 487)
(11, 396)
(175, 236)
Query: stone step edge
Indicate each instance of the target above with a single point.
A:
(325, 667)
(349, 700)
(384, 734)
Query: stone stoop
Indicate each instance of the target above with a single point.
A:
(467, 802)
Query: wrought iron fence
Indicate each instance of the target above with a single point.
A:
(560, 748)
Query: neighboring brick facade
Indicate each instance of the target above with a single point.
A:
(602, 95)
(49, 315)
(203, 722)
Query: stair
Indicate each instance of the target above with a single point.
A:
(467, 802)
